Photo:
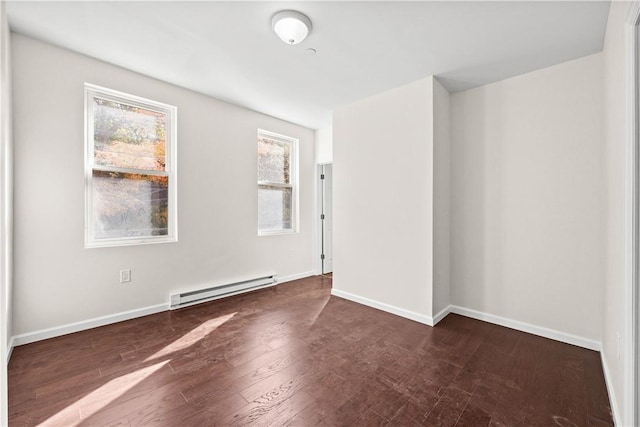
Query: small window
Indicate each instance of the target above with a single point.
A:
(277, 183)
(130, 169)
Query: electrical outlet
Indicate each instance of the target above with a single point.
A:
(125, 276)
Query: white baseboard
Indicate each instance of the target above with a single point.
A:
(441, 315)
(109, 319)
(490, 318)
(610, 390)
(298, 276)
(86, 324)
(10, 349)
(526, 327)
(384, 307)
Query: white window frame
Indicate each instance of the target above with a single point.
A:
(293, 173)
(91, 90)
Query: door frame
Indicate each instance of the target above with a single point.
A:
(632, 222)
(319, 204)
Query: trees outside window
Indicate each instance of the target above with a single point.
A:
(277, 183)
(130, 169)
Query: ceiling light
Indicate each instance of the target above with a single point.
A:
(292, 27)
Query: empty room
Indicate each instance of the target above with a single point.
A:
(327, 213)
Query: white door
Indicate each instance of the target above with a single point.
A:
(326, 216)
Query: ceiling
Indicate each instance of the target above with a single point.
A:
(227, 50)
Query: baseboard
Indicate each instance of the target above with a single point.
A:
(384, 307)
(298, 276)
(441, 315)
(109, 319)
(610, 390)
(10, 349)
(86, 324)
(526, 327)
(486, 317)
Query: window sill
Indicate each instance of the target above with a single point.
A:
(108, 243)
(276, 232)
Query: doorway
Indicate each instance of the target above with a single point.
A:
(326, 218)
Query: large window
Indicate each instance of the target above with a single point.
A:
(130, 169)
(277, 183)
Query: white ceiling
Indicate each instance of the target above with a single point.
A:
(227, 50)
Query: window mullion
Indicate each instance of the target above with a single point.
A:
(274, 184)
(129, 170)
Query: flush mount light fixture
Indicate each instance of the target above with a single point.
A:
(292, 27)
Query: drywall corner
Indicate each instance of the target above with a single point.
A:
(441, 198)
(324, 145)
(383, 202)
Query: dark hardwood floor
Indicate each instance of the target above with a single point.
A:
(294, 355)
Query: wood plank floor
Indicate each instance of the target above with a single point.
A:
(294, 355)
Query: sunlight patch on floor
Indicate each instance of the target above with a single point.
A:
(101, 397)
(190, 338)
(316, 313)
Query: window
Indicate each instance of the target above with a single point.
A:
(277, 183)
(130, 169)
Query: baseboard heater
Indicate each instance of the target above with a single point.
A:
(209, 294)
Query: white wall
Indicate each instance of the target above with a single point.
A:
(613, 154)
(57, 281)
(526, 198)
(383, 198)
(6, 215)
(324, 145)
(441, 198)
